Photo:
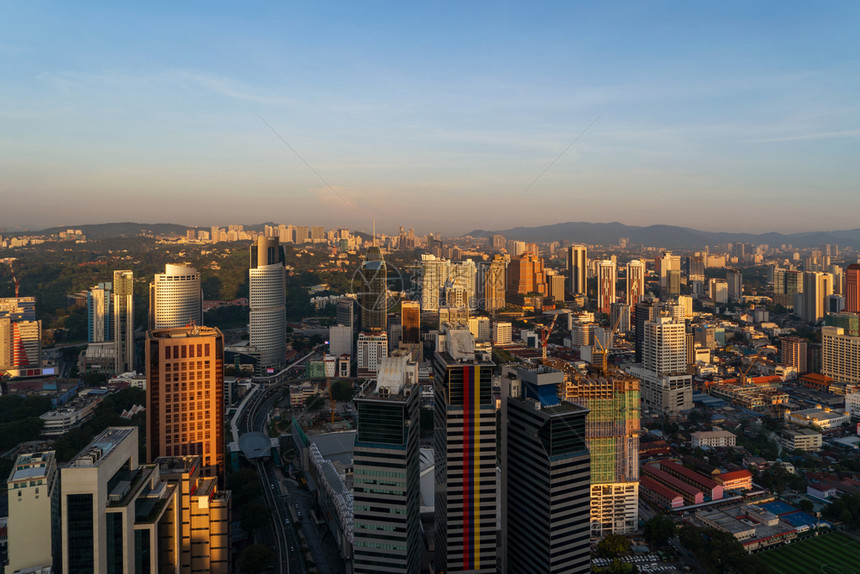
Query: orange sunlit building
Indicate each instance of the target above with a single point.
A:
(185, 396)
(526, 275)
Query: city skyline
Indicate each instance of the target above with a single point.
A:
(624, 112)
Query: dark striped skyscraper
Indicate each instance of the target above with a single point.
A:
(546, 469)
(372, 289)
(465, 437)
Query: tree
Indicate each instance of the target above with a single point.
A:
(257, 558)
(314, 402)
(612, 546)
(806, 505)
(659, 529)
(255, 516)
(342, 391)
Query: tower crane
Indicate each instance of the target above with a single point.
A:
(545, 337)
(742, 377)
(14, 279)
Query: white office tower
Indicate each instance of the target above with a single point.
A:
(441, 275)
(577, 266)
(267, 293)
(635, 290)
(666, 385)
(175, 298)
(34, 512)
(340, 340)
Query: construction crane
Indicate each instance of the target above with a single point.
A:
(742, 377)
(545, 337)
(604, 361)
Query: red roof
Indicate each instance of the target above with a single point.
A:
(681, 486)
(655, 486)
(690, 474)
(734, 475)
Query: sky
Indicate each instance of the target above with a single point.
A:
(442, 116)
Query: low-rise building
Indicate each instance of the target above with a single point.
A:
(735, 480)
(823, 418)
(714, 438)
(70, 416)
(801, 439)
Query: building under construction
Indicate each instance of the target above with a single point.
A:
(612, 433)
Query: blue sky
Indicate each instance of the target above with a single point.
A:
(720, 116)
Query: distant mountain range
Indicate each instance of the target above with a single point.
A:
(668, 236)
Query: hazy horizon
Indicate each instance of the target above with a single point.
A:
(445, 117)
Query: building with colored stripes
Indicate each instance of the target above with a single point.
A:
(465, 451)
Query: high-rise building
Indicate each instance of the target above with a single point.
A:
(668, 268)
(498, 242)
(852, 288)
(493, 275)
(373, 291)
(666, 385)
(465, 471)
(840, 355)
(20, 336)
(34, 513)
(718, 290)
(100, 313)
(525, 275)
(387, 490)
(410, 319)
(480, 328)
(793, 353)
(371, 348)
(175, 298)
(850, 322)
(817, 286)
(340, 340)
(123, 321)
(605, 286)
(103, 491)
(267, 293)
(194, 535)
(185, 396)
(635, 289)
(612, 434)
(696, 267)
(735, 282)
(346, 312)
(645, 311)
(502, 333)
(545, 477)
(619, 317)
(301, 234)
(665, 350)
(577, 268)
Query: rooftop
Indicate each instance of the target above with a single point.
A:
(101, 446)
(185, 332)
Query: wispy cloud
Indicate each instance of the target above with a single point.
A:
(813, 136)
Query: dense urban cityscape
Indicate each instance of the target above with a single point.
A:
(301, 399)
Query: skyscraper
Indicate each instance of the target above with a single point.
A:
(852, 288)
(645, 311)
(175, 298)
(793, 353)
(817, 286)
(577, 267)
(494, 284)
(545, 469)
(612, 434)
(20, 336)
(185, 396)
(410, 320)
(635, 289)
(668, 267)
(123, 320)
(346, 312)
(387, 491)
(267, 292)
(465, 451)
(99, 313)
(525, 275)
(373, 291)
(735, 284)
(605, 286)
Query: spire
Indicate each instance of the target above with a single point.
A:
(374, 232)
